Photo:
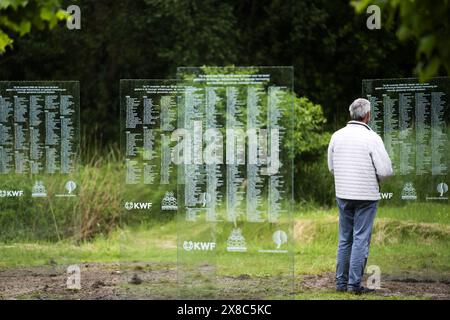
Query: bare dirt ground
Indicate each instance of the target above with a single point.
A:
(148, 281)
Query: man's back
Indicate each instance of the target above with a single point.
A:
(358, 160)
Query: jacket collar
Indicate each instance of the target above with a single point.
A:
(359, 123)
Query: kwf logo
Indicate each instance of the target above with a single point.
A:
(11, 193)
(199, 246)
(138, 205)
(386, 195)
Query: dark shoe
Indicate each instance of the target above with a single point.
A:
(341, 289)
(360, 290)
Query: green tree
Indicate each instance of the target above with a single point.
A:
(309, 140)
(426, 22)
(326, 41)
(18, 17)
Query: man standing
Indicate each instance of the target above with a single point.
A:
(358, 160)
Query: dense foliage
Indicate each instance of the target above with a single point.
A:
(427, 22)
(327, 42)
(20, 16)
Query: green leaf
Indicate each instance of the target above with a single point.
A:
(404, 33)
(5, 41)
(426, 45)
(62, 15)
(46, 14)
(14, 4)
(430, 70)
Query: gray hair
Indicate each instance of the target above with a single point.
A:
(359, 109)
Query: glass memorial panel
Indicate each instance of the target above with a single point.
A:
(412, 119)
(39, 154)
(235, 182)
(149, 191)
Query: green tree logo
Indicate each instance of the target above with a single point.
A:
(279, 238)
(442, 188)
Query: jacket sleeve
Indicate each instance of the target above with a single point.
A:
(380, 158)
(330, 154)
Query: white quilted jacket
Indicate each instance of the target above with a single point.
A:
(358, 160)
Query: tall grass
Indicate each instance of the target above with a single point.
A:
(314, 184)
(100, 199)
(95, 210)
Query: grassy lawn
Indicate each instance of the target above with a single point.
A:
(408, 242)
(413, 237)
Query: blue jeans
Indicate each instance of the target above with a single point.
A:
(355, 229)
